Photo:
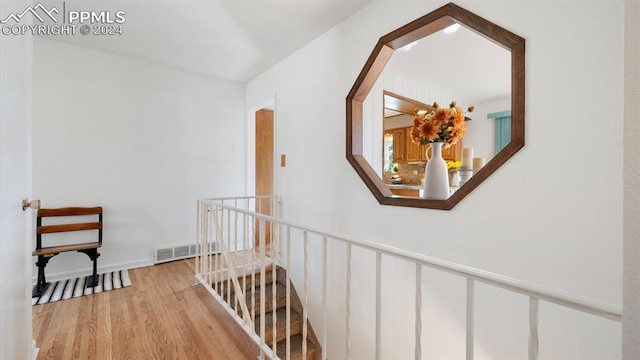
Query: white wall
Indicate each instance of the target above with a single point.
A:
(481, 134)
(552, 215)
(142, 140)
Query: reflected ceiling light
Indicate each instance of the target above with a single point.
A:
(422, 112)
(451, 28)
(409, 46)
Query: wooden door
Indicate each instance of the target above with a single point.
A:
(264, 168)
(15, 224)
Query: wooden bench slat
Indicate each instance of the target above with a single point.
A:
(48, 229)
(70, 211)
(65, 248)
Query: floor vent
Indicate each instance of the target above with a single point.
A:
(178, 252)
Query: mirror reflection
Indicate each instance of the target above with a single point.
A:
(442, 67)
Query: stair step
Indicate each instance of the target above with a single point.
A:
(281, 298)
(296, 349)
(313, 352)
(281, 325)
(249, 280)
(269, 279)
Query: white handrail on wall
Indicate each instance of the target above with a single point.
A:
(535, 292)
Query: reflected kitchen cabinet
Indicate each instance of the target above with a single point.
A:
(405, 191)
(406, 151)
(453, 153)
(414, 152)
(399, 144)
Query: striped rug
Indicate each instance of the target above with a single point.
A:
(72, 288)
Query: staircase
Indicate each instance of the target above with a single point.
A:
(251, 283)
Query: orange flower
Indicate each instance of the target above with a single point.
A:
(441, 116)
(429, 130)
(459, 117)
(457, 133)
(415, 134)
(441, 124)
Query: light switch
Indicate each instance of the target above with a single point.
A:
(283, 160)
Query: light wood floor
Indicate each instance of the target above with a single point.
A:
(161, 316)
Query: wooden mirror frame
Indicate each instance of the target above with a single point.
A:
(415, 30)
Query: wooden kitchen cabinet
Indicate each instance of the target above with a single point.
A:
(399, 150)
(405, 192)
(406, 151)
(453, 153)
(412, 150)
(423, 152)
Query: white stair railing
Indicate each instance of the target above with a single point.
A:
(249, 215)
(237, 253)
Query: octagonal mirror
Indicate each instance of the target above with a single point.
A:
(447, 55)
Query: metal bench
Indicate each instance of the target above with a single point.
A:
(45, 254)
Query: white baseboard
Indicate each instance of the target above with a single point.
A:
(89, 270)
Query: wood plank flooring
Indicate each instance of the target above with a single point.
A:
(161, 316)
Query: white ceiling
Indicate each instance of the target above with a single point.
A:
(229, 39)
(463, 64)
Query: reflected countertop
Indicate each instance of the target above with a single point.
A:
(405, 186)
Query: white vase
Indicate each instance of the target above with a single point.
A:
(454, 180)
(436, 178)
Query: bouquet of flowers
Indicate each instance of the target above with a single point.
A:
(445, 125)
(453, 166)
